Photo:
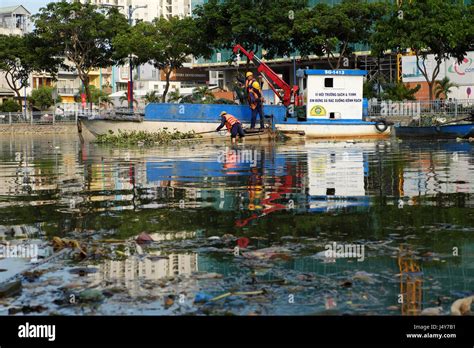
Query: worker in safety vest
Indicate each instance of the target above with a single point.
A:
(255, 99)
(232, 124)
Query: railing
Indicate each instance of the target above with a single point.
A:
(66, 116)
(419, 109)
(38, 118)
(66, 90)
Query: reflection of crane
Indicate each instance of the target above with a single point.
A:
(270, 206)
(411, 282)
(290, 94)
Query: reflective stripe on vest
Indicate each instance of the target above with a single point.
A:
(230, 121)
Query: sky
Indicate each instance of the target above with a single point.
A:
(31, 5)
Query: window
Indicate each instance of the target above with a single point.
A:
(329, 82)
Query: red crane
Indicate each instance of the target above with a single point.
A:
(290, 93)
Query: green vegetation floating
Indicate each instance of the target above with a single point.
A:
(144, 138)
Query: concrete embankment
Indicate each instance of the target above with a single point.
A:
(69, 128)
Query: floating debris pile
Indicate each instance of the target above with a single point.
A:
(142, 138)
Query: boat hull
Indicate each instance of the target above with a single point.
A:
(447, 131)
(202, 118)
(334, 131)
(90, 129)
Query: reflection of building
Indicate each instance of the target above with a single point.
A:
(20, 231)
(432, 174)
(335, 175)
(151, 268)
(30, 173)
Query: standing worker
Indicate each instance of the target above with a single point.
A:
(232, 124)
(255, 99)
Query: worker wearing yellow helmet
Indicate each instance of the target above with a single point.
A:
(255, 99)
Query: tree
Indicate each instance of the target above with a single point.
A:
(255, 24)
(124, 98)
(328, 31)
(98, 96)
(83, 34)
(438, 27)
(42, 98)
(400, 92)
(443, 87)
(203, 95)
(165, 43)
(10, 105)
(21, 55)
(174, 96)
(151, 97)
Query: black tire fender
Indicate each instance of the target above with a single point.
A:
(381, 125)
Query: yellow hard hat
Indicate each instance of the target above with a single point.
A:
(223, 113)
(249, 73)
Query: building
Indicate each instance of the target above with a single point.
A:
(146, 77)
(154, 9)
(14, 20)
(462, 74)
(223, 74)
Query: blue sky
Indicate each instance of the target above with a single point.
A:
(31, 5)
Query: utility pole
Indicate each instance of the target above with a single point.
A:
(131, 9)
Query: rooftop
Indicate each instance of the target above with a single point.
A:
(12, 9)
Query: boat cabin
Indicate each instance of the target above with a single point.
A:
(334, 94)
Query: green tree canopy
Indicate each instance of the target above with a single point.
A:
(10, 105)
(21, 55)
(98, 96)
(400, 92)
(330, 31)
(255, 24)
(165, 43)
(83, 34)
(42, 98)
(439, 27)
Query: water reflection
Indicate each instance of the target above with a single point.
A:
(409, 203)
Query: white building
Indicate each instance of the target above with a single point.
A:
(147, 78)
(14, 20)
(154, 9)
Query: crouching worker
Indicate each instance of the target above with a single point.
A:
(232, 124)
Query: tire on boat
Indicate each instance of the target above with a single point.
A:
(381, 125)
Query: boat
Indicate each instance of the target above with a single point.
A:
(204, 118)
(326, 104)
(445, 131)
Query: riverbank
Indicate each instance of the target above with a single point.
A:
(69, 128)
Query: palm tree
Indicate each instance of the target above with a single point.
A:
(443, 87)
(151, 97)
(203, 94)
(105, 101)
(174, 96)
(399, 92)
(124, 98)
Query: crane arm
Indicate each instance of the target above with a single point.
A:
(289, 93)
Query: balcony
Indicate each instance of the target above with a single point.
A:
(67, 91)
